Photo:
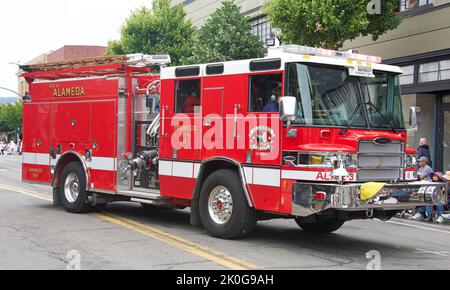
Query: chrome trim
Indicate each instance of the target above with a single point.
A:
(346, 197)
(241, 174)
(83, 163)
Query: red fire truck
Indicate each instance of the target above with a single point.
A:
(305, 133)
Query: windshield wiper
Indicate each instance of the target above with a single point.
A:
(352, 119)
(373, 106)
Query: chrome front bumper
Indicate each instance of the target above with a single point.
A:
(309, 199)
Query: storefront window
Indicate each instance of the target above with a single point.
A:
(429, 72)
(411, 4)
(444, 70)
(407, 78)
(261, 27)
(434, 71)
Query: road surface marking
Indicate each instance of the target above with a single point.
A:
(425, 224)
(217, 257)
(25, 192)
(442, 254)
(418, 227)
(181, 243)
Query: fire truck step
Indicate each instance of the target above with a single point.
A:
(148, 195)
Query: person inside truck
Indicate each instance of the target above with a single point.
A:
(273, 105)
(192, 101)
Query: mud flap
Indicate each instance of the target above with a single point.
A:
(56, 199)
(195, 215)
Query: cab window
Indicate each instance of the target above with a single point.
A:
(187, 96)
(265, 92)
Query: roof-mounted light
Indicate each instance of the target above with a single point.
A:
(145, 59)
(313, 51)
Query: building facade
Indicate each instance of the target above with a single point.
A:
(420, 45)
(198, 12)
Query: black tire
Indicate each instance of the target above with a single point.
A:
(242, 220)
(320, 227)
(80, 204)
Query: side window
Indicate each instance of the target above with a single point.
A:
(187, 96)
(265, 91)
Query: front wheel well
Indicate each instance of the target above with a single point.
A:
(207, 168)
(62, 163)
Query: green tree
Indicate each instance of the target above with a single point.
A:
(226, 36)
(10, 117)
(329, 23)
(159, 30)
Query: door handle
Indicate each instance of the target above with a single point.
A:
(208, 122)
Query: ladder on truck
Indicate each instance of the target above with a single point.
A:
(94, 67)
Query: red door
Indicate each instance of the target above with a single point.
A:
(213, 122)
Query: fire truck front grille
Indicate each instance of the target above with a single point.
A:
(380, 162)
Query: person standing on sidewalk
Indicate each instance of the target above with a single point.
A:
(424, 150)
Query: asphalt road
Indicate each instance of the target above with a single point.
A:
(35, 235)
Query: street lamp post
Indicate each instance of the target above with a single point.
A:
(11, 91)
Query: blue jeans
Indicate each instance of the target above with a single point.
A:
(428, 210)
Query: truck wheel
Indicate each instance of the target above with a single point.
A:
(224, 210)
(320, 227)
(72, 189)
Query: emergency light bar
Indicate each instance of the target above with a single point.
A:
(145, 59)
(313, 51)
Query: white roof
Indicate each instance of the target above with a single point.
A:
(243, 66)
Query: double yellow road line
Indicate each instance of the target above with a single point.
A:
(215, 256)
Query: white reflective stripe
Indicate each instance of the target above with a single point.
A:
(103, 163)
(267, 177)
(35, 158)
(28, 158)
(197, 167)
(42, 159)
(298, 175)
(183, 169)
(248, 172)
(165, 168)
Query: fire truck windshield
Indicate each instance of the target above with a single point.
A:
(328, 96)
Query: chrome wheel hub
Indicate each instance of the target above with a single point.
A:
(72, 187)
(220, 205)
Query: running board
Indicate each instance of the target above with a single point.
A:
(149, 196)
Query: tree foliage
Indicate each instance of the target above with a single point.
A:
(226, 36)
(329, 23)
(10, 117)
(159, 30)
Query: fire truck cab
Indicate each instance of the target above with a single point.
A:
(305, 133)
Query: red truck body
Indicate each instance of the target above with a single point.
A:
(99, 116)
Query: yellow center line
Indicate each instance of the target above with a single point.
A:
(26, 192)
(181, 243)
(215, 256)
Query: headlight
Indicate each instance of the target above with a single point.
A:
(411, 161)
(320, 159)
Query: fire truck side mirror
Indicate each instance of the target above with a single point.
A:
(288, 108)
(415, 117)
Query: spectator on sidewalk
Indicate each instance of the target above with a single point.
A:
(425, 174)
(2, 147)
(19, 146)
(437, 177)
(424, 150)
(424, 169)
(12, 147)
